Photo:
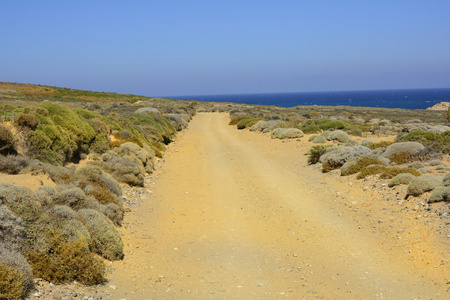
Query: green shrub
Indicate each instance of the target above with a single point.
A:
(60, 136)
(326, 124)
(235, 120)
(94, 175)
(106, 240)
(66, 262)
(126, 169)
(402, 158)
(446, 179)
(318, 139)
(371, 170)
(144, 155)
(313, 126)
(382, 144)
(101, 142)
(315, 153)
(402, 178)
(42, 111)
(148, 128)
(244, 123)
(339, 135)
(437, 142)
(87, 114)
(440, 193)
(252, 123)
(394, 171)
(422, 184)
(362, 163)
(310, 127)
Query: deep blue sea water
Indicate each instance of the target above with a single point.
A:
(410, 99)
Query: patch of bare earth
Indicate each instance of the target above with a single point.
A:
(234, 214)
(27, 180)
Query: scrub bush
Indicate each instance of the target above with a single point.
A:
(312, 126)
(336, 156)
(382, 144)
(106, 240)
(402, 178)
(362, 163)
(15, 274)
(12, 283)
(94, 175)
(446, 179)
(371, 170)
(12, 164)
(21, 201)
(440, 193)
(73, 197)
(60, 137)
(244, 123)
(66, 262)
(113, 212)
(326, 124)
(339, 135)
(319, 139)
(146, 156)
(105, 196)
(236, 119)
(435, 142)
(402, 158)
(315, 153)
(73, 231)
(126, 169)
(65, 212)
(26, 120)
(394, 171)
(6, 139)
(422, 184)
(12, 233)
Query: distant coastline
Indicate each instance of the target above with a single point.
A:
(440, 106)
(407, 99)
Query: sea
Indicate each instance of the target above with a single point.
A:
(408, 99)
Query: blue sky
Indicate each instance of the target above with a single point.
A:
(170, 47)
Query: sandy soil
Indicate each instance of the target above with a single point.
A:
(236, 215)
(26, 180)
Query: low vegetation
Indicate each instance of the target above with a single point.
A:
(316, 152)
(64, 232)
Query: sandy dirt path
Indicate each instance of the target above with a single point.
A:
(237, 215)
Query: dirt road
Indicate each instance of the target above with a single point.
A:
(236, 215)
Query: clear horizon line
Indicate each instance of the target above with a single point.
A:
(324, 91)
